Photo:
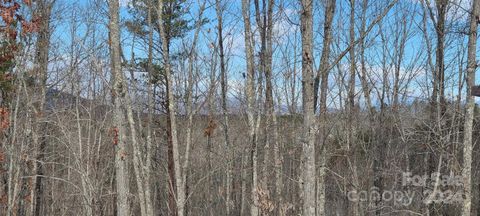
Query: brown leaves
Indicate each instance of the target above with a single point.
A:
(29, 27)
(3, 199)
(10, 21)
(264, 201)
(7, 15)
(208, 131)
(4, 119)
(10, 16)
(8, 12)
(114, 132)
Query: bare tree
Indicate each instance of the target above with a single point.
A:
(105, 121)
(119, 94)
(250, 94)
(323, 74)
(223, 87)
(467, 143)
(309, 126)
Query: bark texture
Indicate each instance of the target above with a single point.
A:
(120, 124)
(309, 127)
(467, 143)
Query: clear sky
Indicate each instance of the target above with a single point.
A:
(287, 36)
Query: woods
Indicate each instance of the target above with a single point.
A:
(251, 107)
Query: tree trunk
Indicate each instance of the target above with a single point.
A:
(264, 21)
(119, 93)
(309, 127)
(442, 6)
(323, 74)
(41, 58)
(180, 186)
(467, 143)
(150, 110)
(223, 86)
(250, 94)
(351, 81)
(189, 106)
(351, 147)
(211, 127)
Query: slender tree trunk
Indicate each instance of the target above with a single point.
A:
(351, 128)
(442, 6)
(138, 159)
(189, 106)
(41, 58)
(265, 24)
(243, 182)
(271, 114)
(351, 80)
(261, 20)
(323, 75)
(257, 190)
(250, 94)
(438, 95)
(150, 110)
(309, 127)
(180, 186)
(119, 93)
(363, 75)
(138, 165)
(467, 143)
(223, 86)
(212, 126)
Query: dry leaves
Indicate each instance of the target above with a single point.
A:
(208, 131)
(4, 119)
(264, 201)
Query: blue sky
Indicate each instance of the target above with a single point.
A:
(287, 35)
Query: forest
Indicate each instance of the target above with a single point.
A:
(239, 107)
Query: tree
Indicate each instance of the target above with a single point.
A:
(119, 94)
(470, 108)
(250, 95)
(309, 126)
(44, 10)
(322, 74)
(223, 87)
(179, 184)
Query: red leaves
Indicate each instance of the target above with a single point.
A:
(114, 132)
